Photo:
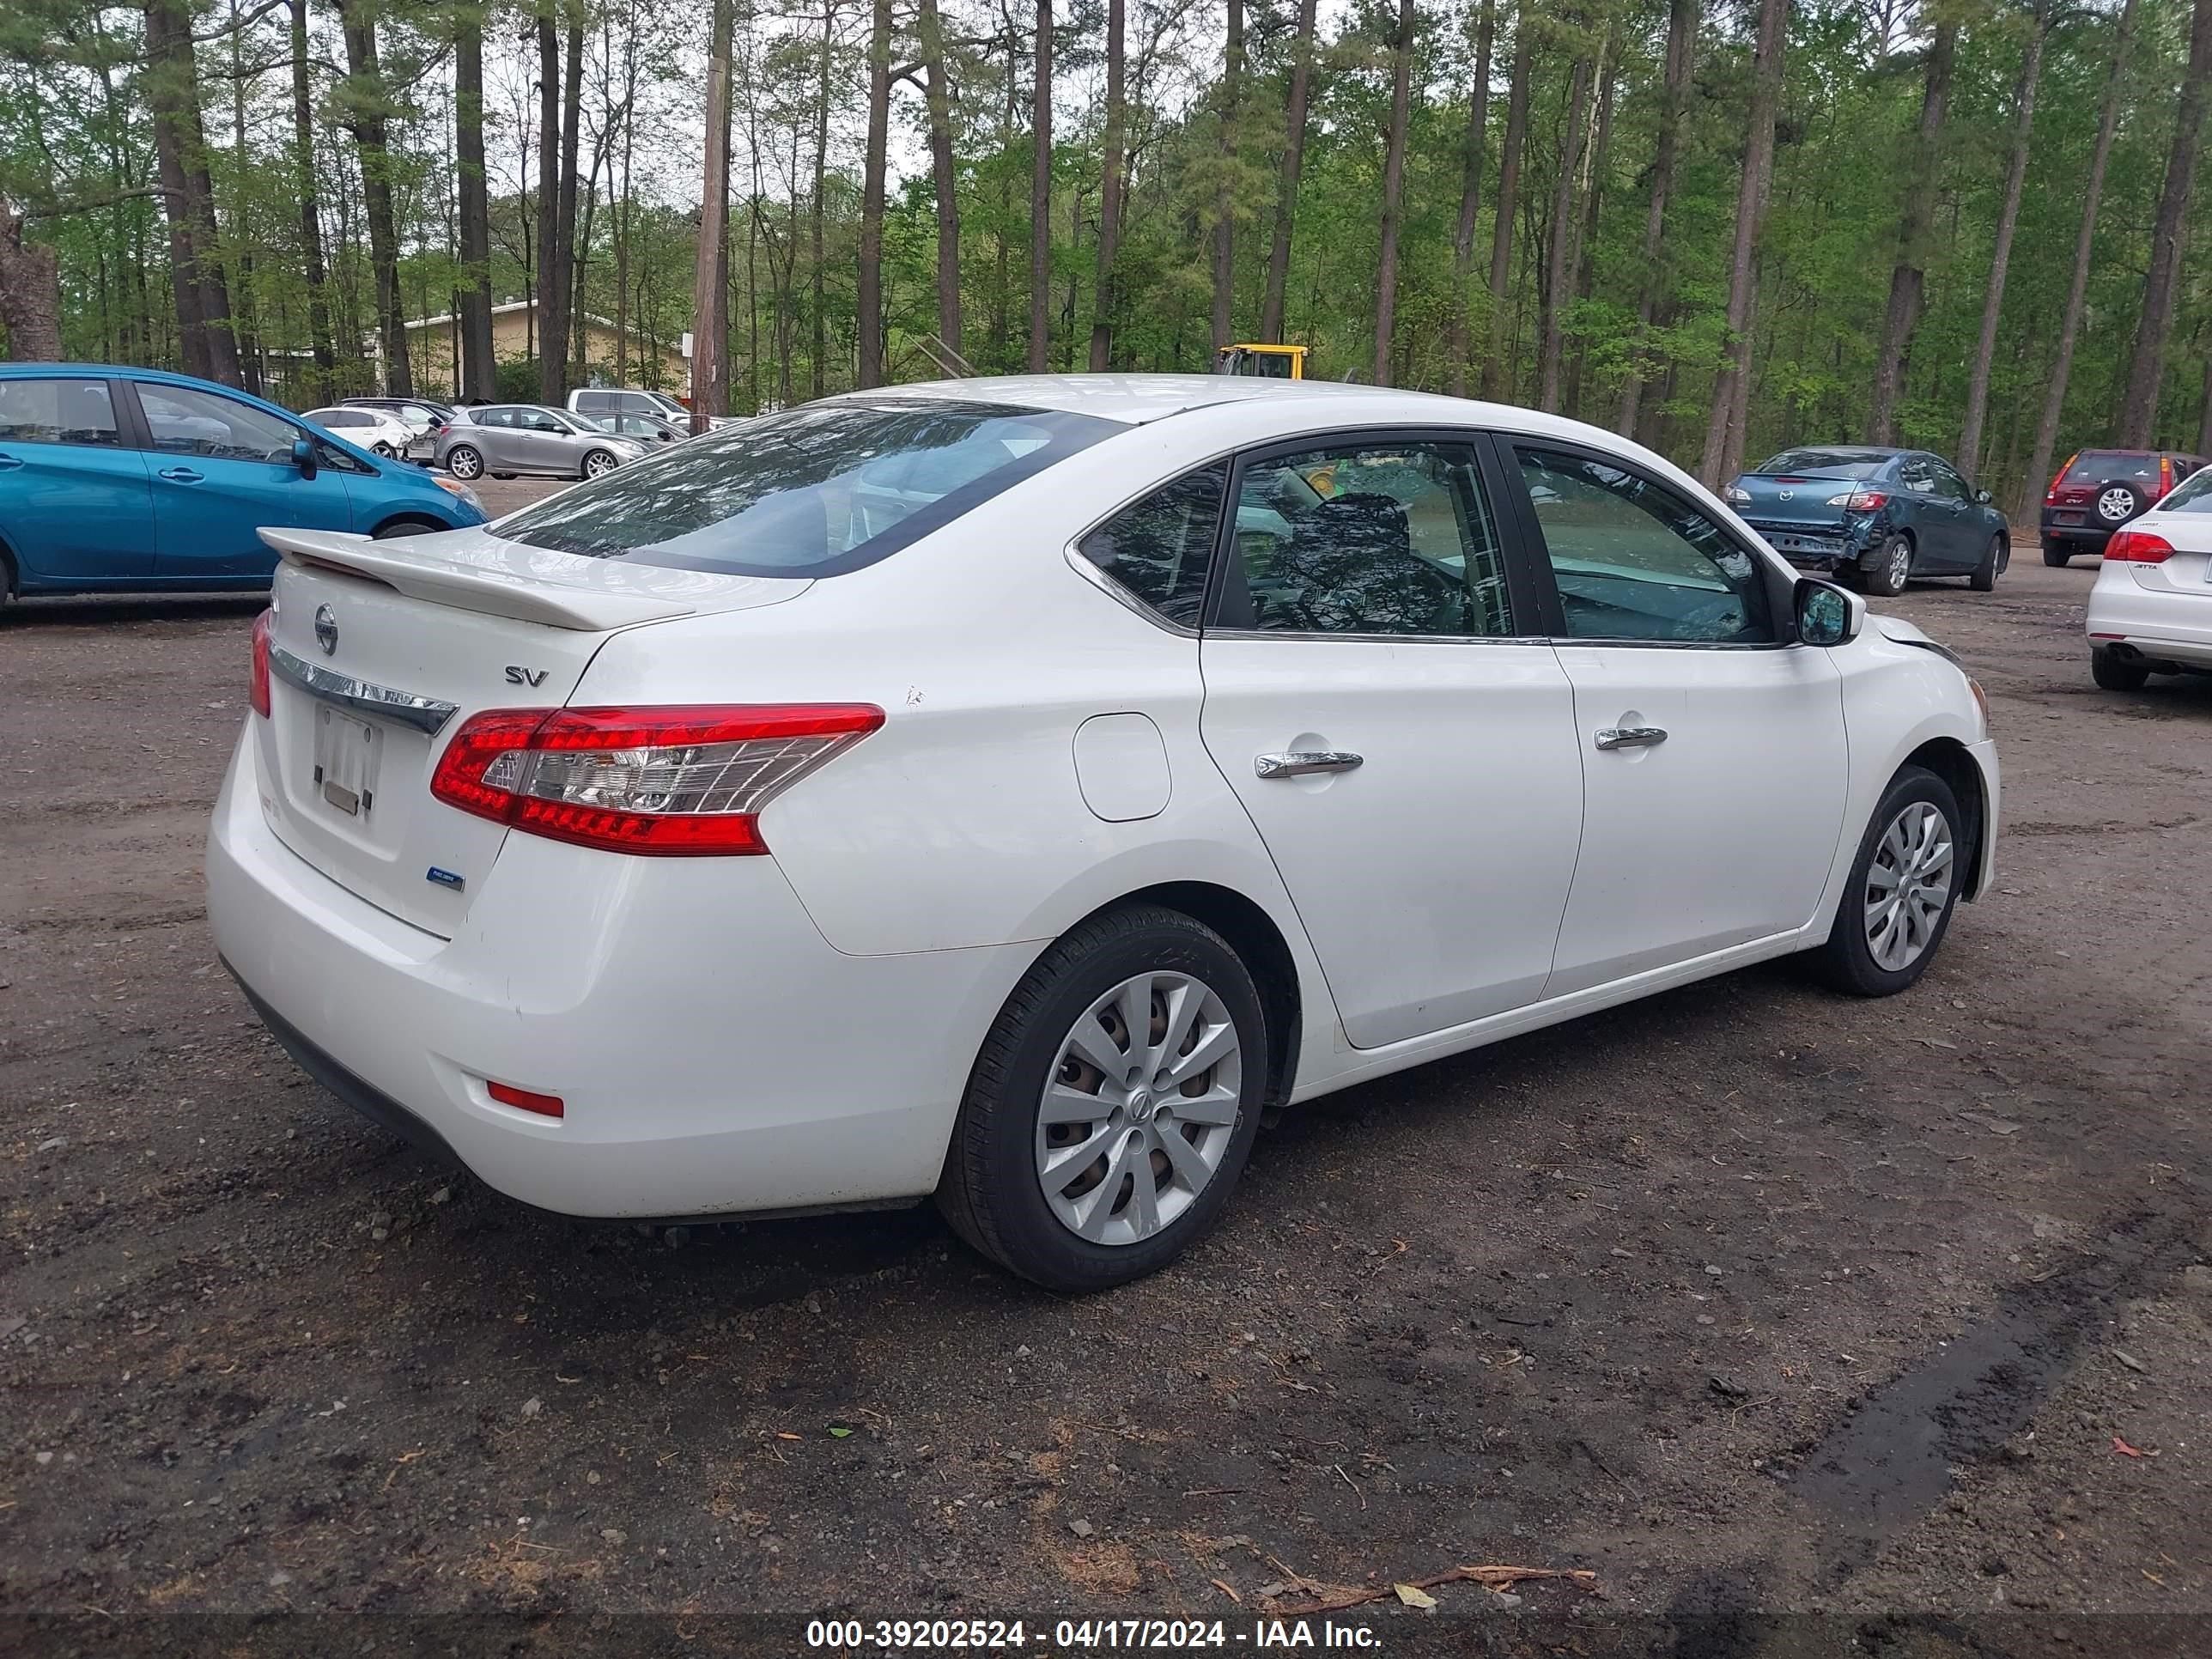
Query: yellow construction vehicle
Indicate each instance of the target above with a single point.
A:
(1272, 362)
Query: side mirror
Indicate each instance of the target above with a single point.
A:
(1826, 614)
(303, 456)
(1982, 498)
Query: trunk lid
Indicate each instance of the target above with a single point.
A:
(380, 652)
(1793, 500)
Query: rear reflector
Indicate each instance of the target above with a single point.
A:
(260, 692)
(524, 1100)
(2137, 547)
(673, 781)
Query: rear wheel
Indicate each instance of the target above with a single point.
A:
(1904, 886)
(2116, 673)
(464, 462)
(2055, 555)
(1113, 1105)
(384, 449)
(1993, 561)
(1888, 567)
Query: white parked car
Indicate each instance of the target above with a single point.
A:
(1010, 789)
(2150, 611)
(371, 429)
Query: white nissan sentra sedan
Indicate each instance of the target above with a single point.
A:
(2150, 611)
(1010, 790)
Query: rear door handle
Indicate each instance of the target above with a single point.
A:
(1299, 762)
(180, 475)
(9, 463)
(1631, 737)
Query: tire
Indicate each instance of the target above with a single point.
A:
(1848, 962)
(465, 462)
(2117, 504)
(1887, 568)
(503, 476)
(598, 464)
(2114, 673)
(385, 532)
(1993, 562)
(2055, 555)
(995, 1189)
(384, 449)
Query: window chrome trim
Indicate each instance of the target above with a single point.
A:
(1314, 636)
(426, 715)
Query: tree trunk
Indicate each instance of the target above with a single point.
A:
(479, 375)
(2147, 369)
(1585, 264)
(1720, 429)
(1224, 204)
(1908, 281)
(1494, 373)
(869, 299)
(1985, 347)
(1286, 195)
(710, 386)
(202, 297)
(562, 332)
(2069, 326)
(1470, 193)
(550, 351)
(1681, 48)
(1393, 184)
(30, 293)
(819, 275)
(311, 225)
(1105, 307)
(1559, 266)
(367, 106)
(937, 87)
(1041, 194)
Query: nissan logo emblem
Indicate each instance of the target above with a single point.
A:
(327, 630)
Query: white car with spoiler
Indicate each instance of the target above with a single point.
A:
(1010, 790)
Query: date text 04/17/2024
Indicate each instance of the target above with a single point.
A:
(1084, 1635)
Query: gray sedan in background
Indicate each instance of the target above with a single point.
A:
(507, 438)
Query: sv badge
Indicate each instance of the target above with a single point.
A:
(526, 675)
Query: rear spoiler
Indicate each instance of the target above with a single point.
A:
(480, 584)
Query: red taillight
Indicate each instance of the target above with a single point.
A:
(671, 781)
(1866, 501)
(526, 1100)
(2059, 477)
(2137, 547)
(260, 692)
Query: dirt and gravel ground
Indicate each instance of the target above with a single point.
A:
(1800, 1323)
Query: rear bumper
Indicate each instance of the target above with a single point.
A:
(2082, 537)
(716, 1054)
(1813, 547)
(2162, 627)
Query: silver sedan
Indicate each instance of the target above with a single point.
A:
(507, 438)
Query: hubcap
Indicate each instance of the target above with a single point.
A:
(1907, 886)
(463, 464)
(597, 465)
(2113, 504)
(1140, 1108)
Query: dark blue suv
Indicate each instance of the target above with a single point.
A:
(131, 478)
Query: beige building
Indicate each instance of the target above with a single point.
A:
(433, 351)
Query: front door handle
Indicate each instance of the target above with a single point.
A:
(180, 475)
(1299, 762)
(1631, 737)
(9, 463)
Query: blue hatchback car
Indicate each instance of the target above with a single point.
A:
(131, 478)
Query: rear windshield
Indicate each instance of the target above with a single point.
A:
(1824, 463)
(2109, 466)
(815, 491)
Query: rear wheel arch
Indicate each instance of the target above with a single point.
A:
(1947, 757)
(1259, 944)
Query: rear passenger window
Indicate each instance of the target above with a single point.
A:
(1159, 549)
(1377, 537)
(57, 412)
